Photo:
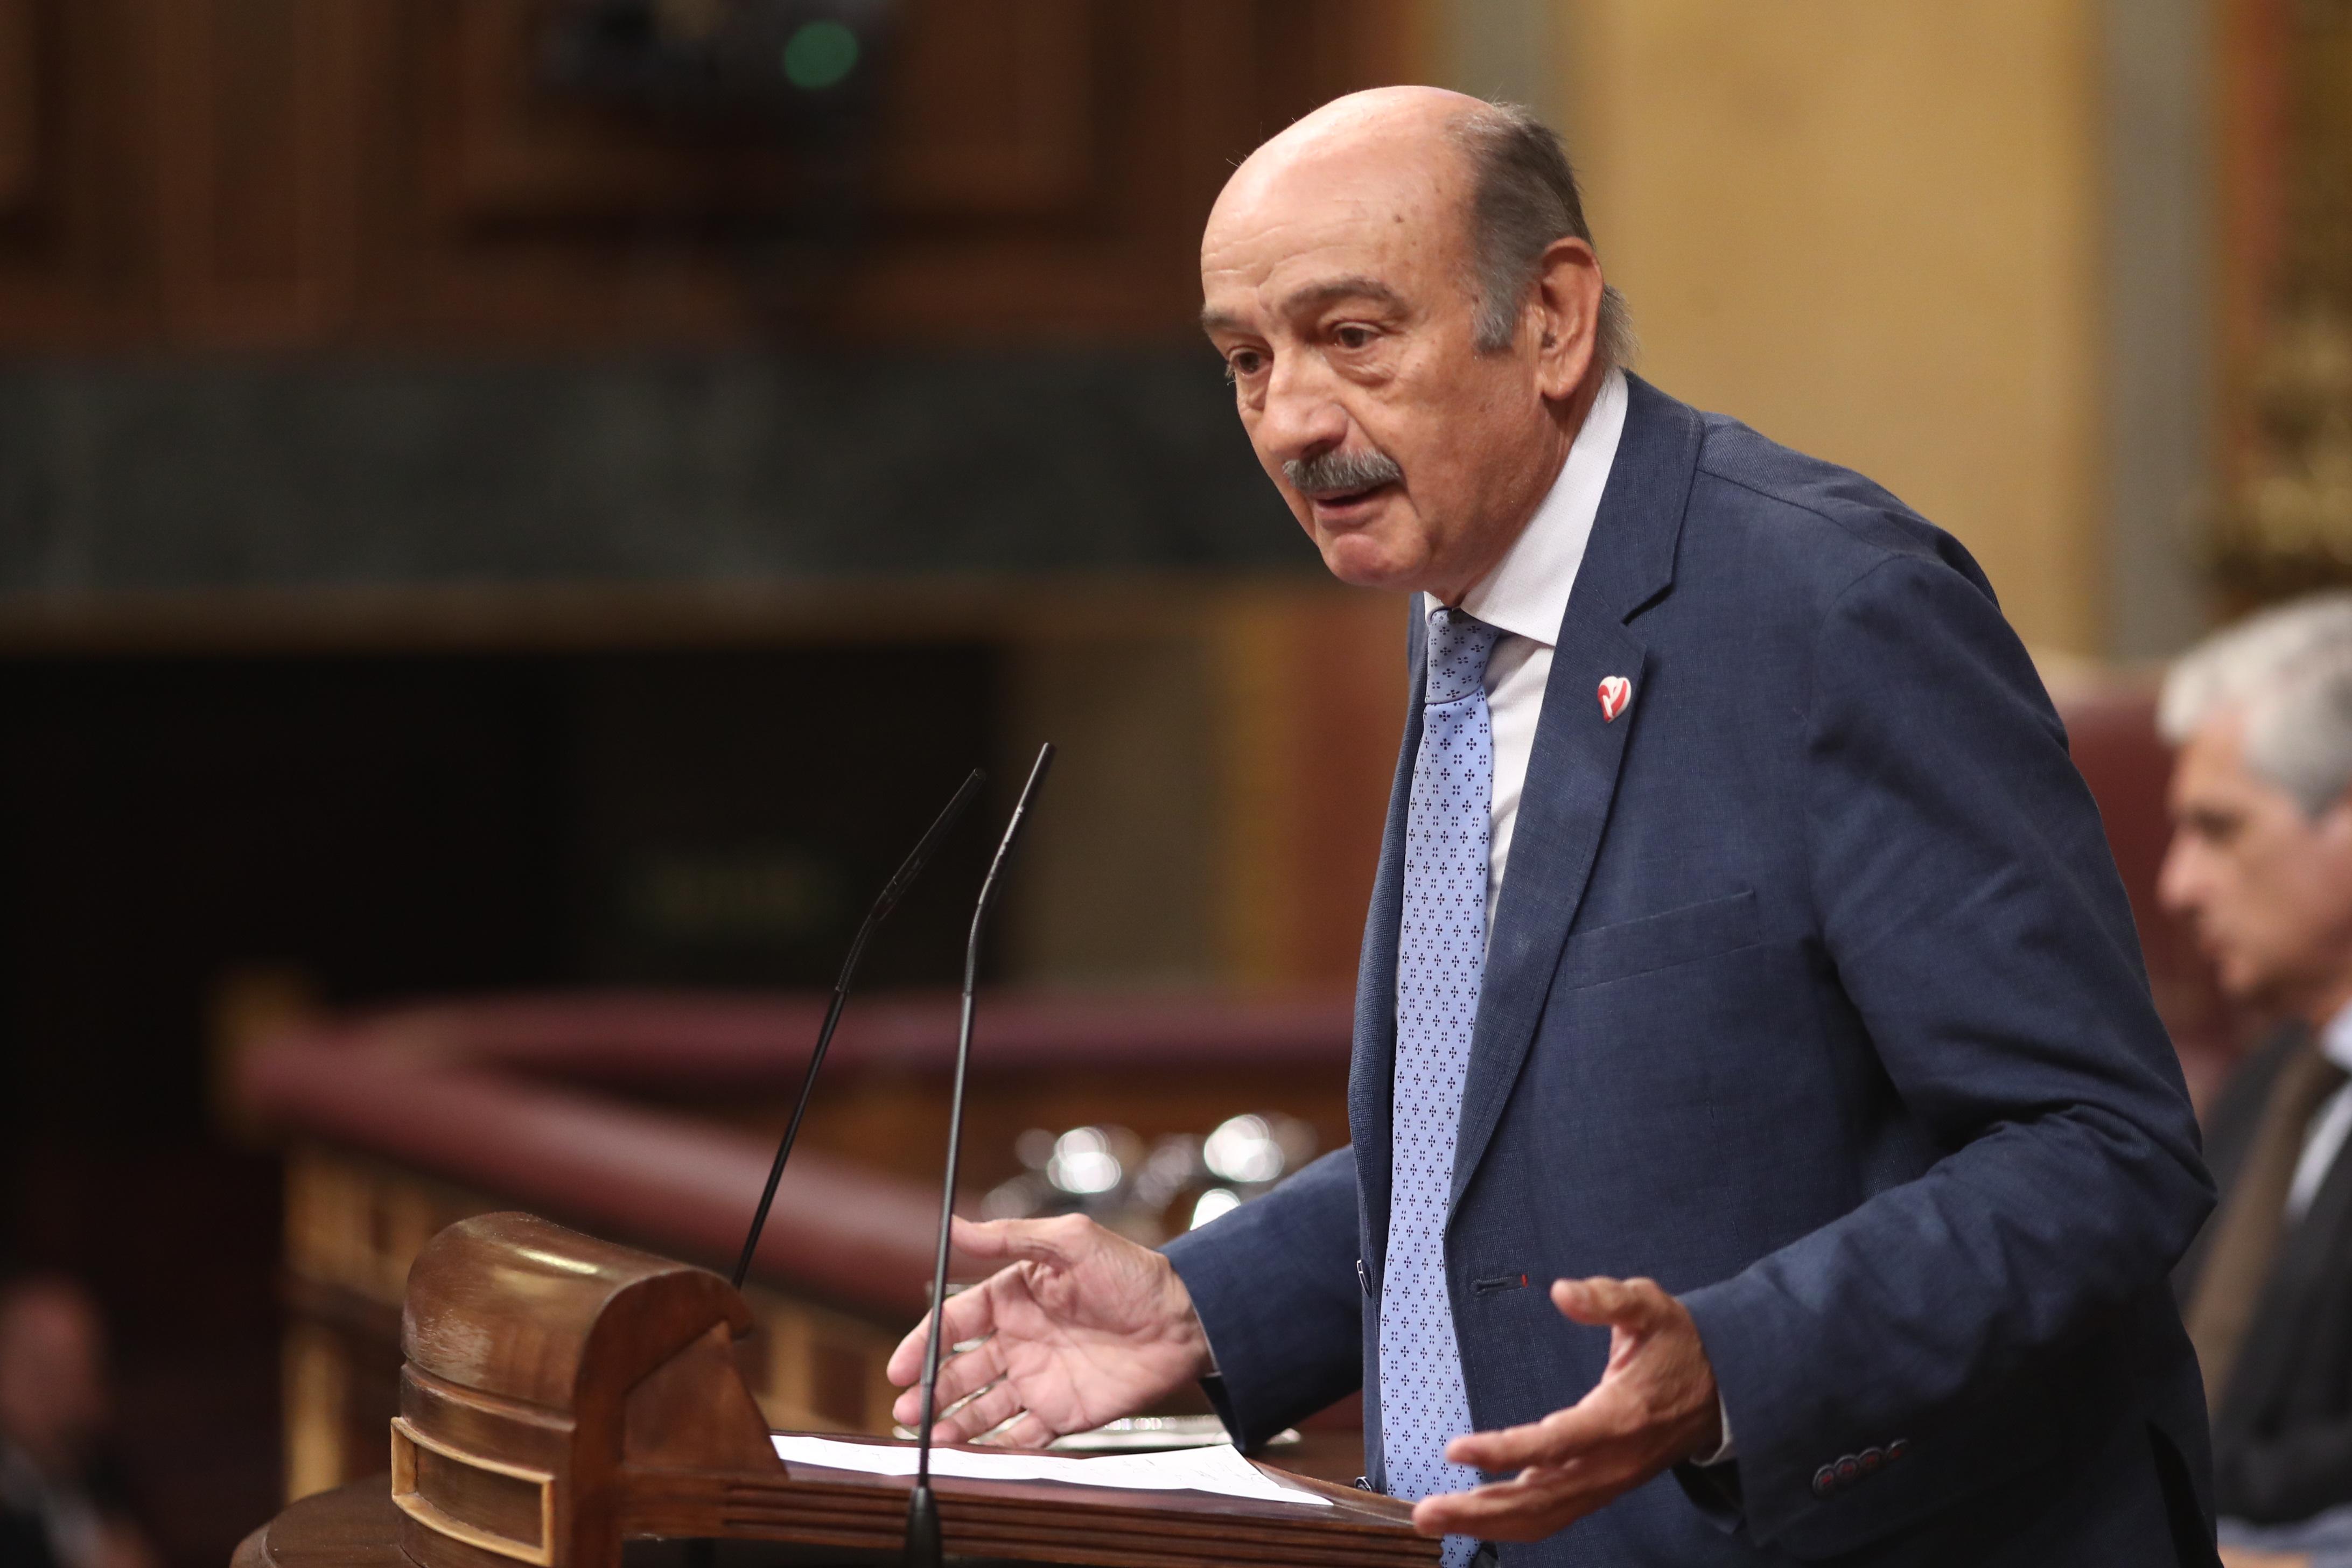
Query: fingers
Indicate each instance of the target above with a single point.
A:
(1608, 1303)
(1031, 1431)
(906, 1364)
(982, 1237)
(970, 1315)
(904, 1367)
(1647, 1412)
(986, 1411)
(1556, 1439)
(1022, 1240)
(1526, 1508)
(960, 1375)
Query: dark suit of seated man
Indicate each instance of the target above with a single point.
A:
(2262, 863)
(1765, 1149)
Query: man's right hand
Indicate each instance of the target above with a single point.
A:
(1083, 1327)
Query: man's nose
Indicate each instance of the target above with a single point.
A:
(1301, 419)
(2175, 879)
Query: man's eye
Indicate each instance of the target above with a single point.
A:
(2217, 828)
(1354, 337)
(1243, 362)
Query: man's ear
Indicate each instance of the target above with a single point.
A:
(1566, 304)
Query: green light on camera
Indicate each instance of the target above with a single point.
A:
(820, 54)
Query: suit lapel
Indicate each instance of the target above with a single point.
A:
(1371, 1064)
(1572, 774)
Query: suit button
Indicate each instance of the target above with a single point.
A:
(1898, 1449)
(1870, 1459)
(1826, 1480)
(1849, 1470)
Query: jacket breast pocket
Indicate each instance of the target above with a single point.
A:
(1626, 948)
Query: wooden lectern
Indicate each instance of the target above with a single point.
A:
(562, 1393)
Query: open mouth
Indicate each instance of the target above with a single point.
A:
(1342, 501)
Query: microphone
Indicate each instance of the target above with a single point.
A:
(923, 1547)
(882, 904)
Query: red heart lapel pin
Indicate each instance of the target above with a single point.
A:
(1615, 692)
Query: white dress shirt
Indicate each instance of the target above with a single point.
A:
(1526, 597)
(2330, 1126)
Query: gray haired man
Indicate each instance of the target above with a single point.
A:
(2261, 864)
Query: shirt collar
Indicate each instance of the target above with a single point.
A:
(2336, 1039)
(1527, 593)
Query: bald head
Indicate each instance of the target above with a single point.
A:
(1402, 288)
(1401, 132)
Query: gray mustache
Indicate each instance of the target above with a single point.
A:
(1339, 472)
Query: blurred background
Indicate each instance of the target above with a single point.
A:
(511, 499)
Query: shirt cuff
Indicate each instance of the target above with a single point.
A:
(1726, 1450)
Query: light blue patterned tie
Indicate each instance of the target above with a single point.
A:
(1441, 957)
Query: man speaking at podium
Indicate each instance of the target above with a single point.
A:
(1765, 1148)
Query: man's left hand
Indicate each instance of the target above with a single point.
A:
(1654, 1407)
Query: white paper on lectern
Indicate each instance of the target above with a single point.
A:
(1219, 1469)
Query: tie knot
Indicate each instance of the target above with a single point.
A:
(1459, 644)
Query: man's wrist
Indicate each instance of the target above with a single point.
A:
(1719, 1448)
(1185, 1331)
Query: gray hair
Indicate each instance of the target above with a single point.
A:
(1523, 199)
(2287, 673)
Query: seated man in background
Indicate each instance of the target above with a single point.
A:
(2261, 864)
(59, 1506)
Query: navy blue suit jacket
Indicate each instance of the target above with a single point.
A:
(1814, 996)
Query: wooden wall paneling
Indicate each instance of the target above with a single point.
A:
(541, 217)
(75, 230)
(504, 149)
(1045, 167)
(1125, 265)
(498, 212)
(257, 146)
(462, 229)
(19, 105)
(991, 109)
(988, 113)
(375, 173)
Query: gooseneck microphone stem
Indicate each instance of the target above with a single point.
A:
(923, 1542)
(883, 902)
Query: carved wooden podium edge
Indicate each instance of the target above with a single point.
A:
(562, 1393)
